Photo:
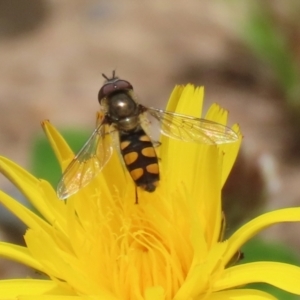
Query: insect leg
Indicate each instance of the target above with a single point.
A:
(136, 196)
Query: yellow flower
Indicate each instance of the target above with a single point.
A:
(100, 245)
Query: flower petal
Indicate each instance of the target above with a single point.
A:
(190, 101)
(178, 157)
(200, 274)
(217, 114)
(230, 150)
(63, 152)
(155, 293)
(24, 214)
(16, 287)
(62, 265)
(57, 297)
(247, 231)
(205, 193)
(38, 192)
(240, 294)
(55, 260)
(23, 180)
(193, 163)
(19, 254)
(281, 275)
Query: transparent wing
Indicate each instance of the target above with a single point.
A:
(190, 129)
(89, 161)
(148, 128)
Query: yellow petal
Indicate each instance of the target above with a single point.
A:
(13, 289)
(24, 214)
(59, 297)
(190, 101)
(217, 114)
(247, 231)
(202, 168)
(283, 276)
(35, 190)
(60, 263)
(243, 294)
(178, 157)
(230, 150)
(19, 254)
(53, 258)
(208, 193)
(63, 152)
(155, 293)
(200, 275)
(23, 180)
(52, 209)
(194, 284)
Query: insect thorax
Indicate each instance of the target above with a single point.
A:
(121, 105)
(123, 111)
(128, 124)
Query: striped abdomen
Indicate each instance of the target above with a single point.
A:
(140, 158)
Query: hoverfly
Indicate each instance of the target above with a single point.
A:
(122, 114)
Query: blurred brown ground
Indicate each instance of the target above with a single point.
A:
(52, 54)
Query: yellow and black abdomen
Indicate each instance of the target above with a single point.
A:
(140, 158)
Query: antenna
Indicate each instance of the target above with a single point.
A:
(113, 75)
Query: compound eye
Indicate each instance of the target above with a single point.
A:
(105, 91)
(111, 87)
(123, 85)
